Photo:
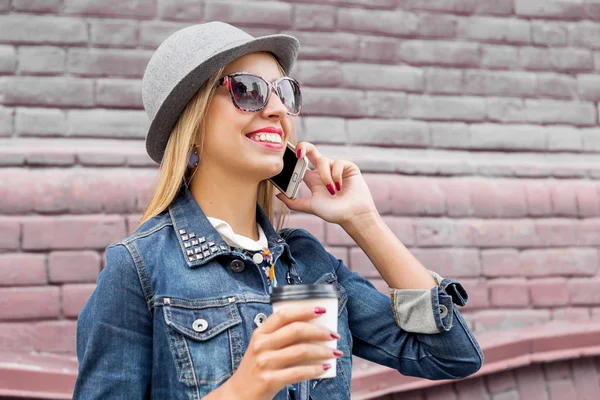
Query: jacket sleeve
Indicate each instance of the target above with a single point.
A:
(451, 353)
(114, 334)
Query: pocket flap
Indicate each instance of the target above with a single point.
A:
(201, 320)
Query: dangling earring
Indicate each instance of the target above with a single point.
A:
(193, 159)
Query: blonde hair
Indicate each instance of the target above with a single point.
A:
(173, 172)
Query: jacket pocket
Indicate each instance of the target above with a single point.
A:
(205, 340)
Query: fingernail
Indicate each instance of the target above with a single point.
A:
(299, 153)
(334, 335)
(337, 353)
(320, 310)
(330, 188)
(326, 366)
(338, 186)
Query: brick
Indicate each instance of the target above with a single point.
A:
(549, 9)
(500, 137)
(589, 86)
(564, 201)
(590, 139)
(32, 121)
(509, 292)
(585, 34)
(501, 263)
(153, 33)
(503, 198)
(8, 60)
(72, 232)
(388, 133)
(46, 91)
(402, 229)
(496, 56)
(263, 14)
(74, 298)
(332, 102)
(22, 269)
(337, 236)
(495, 30)
(560, 112)
(548, 33)
(417, 197)
(539, 199)
(340, 253)
(126, 93)
(132, 222)
(311, 223)
(535, 58)
(327, 45)
(446, 108)
(558, 86)
(495, 83)
(10, 233)
(451, 6)
(377, 49)
(555, 232)
(585, 378)
(584, 291)
(450, 262)
(379, 77)
(69, 267)
(16, 198)
(472, 389)
(510, 395)
(571, 60)
(107, 123)
(380, 187)
(139, 9)
(42, 30)
(478, 293)
(317, 17)
(37, 6)
(56, 337)
(456, 192)
(587, 199)
(181, 10)
(16, 337)
(449, 135)
(6, 121)
(360, 263)
(548, 292)
(501, 382)
(571, 315)
(41, 60)
(29, 303)
(378, 22)
(585, 232)
(387, 105)
(519, 233)
(436, 393)
(444, 80)
(437, 26)
(438, 232)
(531, 384)
(560, 262)
(311, 130)
(557, 371)
(563, 389)
(103, 62)
(432, 52)
(320, 73)
(502, 320)
(113, 33)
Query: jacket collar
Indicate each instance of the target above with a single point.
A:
(199, 240)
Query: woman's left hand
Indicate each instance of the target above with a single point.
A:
(339, 192)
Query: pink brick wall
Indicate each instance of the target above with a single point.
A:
(474, 121)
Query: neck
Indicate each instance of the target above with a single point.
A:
(226, 197)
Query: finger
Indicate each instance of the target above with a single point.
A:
(324, 169)
(291, 313)
(293, 375)
(299, 331)
(302, 353)
(297, 204)
(337, 172)
(310, 151)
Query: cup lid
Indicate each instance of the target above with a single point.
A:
(304, 292)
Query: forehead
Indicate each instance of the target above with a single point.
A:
(263, 64)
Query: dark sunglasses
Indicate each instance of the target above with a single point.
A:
(250, 92)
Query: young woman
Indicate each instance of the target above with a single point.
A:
(181, 310)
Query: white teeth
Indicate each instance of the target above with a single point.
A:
(272, 138)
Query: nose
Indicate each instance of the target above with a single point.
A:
(275, 107)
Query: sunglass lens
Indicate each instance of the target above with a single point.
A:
(249, 92)
(289, 93)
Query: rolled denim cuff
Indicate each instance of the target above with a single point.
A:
(427, 311)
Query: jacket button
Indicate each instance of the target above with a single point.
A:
(200, 325)
(443, 311)
(237, 265)
(259, 319)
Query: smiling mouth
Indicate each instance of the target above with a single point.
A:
(265, 138)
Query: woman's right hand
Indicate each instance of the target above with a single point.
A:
(275, 349)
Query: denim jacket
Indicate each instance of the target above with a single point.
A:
(174, 310)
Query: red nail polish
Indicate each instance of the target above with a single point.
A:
(337, 353)
(338, 186)
(320, 310)
(326, 366)
(334, 335)
(330, 188)
(299, 153)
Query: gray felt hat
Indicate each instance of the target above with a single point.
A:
(186, 59)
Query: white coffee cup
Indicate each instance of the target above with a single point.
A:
(317, 295)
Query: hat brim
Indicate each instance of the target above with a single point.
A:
(283, 47)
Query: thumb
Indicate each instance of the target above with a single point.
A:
(296, 204)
